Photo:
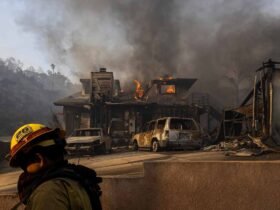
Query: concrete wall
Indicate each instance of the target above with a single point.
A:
(9, 201)
(195, 185)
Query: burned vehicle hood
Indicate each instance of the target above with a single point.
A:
(82, 139)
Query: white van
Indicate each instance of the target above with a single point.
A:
(169, 132)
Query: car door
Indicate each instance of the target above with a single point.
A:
(160, 129)
(149, 134)
(142, 135)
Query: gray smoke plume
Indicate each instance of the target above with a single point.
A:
(153, 30)
(220, 42)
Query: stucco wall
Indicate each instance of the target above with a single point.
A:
(195, 185)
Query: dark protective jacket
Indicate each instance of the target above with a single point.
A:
(64, 186)
(59, 193)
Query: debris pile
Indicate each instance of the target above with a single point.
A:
(253, 128)
(243, 146)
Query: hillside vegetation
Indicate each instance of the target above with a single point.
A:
(27, 95)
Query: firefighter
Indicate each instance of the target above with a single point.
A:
(48, 181)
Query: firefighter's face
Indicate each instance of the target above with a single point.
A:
(32, 163)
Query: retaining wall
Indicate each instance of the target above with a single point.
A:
(194, 185)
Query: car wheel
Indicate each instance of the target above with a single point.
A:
(155, 146)
(135, 146)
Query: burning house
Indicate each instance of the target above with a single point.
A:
(102, 104)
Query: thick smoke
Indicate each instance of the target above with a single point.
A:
(220, 42)
(153, 30)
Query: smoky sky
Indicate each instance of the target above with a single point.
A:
(220, 42)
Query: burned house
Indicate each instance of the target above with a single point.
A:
(257, 117)
(101, 103)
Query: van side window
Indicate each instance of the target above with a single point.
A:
(161, 124)
(189, 125)
(182, 124)
(152, 126)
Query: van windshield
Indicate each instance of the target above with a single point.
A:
(182, 124)
(96, 132)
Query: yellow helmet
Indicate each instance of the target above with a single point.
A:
(27, 136)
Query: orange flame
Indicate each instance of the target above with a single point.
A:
(170, 89)
(139, 92)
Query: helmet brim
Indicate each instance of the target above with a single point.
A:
(26, 146)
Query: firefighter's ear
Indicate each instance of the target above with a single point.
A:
(37, 165)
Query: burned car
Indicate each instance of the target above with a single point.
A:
(169, 133)
(88, 140)
(118, 133)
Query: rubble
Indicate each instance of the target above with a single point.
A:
(244, 152)
(244, 146)
(253, 127)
